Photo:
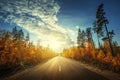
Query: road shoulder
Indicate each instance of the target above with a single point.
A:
(108, 74)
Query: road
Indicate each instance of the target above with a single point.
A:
(58, 68)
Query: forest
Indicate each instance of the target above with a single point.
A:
(107, 55)
(17, 52)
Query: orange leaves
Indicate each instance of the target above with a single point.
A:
(102, 57)
(12, 52)
(16, 49)
(108, 58)
(116, 61)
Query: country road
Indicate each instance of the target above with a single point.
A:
(58, 68)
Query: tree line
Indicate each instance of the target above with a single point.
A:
(107, 55)
(17, 51)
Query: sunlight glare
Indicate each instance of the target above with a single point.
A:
(55, 45)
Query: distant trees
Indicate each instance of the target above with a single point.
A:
(103, 57)
(17, 49)
(84, 36)
(96, 31)
(17, 34)
(79, 38)
(89, 35)
(27, 37)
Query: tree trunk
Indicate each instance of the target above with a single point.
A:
(111, 48)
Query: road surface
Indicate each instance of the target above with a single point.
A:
(58, 68)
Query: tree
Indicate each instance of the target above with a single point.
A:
(89, 35)
(95, 30)
(27, 37)
(83, 35)
(20, 35)
(102, 22)
(14, 33)
(111, 35)
(81, 38)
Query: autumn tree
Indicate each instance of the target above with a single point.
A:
(18, 37)
(90, 48)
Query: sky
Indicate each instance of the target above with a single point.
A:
(56, 22)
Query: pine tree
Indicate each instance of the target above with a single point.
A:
(81, 38)
(95, 30)
(102, 22)
(27, 37)
(14, 33)
(20, 35)
(89, 35)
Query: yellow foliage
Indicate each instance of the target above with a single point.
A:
(101, 55)
(12, 52)
(93, 55)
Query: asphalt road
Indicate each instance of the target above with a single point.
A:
(58, 68)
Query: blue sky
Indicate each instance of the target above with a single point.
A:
(55, 22)
(82, 13)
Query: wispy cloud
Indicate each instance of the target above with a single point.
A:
(36, 16)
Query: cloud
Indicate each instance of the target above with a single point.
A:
(36, 16)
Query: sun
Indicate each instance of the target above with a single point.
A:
(55, 45)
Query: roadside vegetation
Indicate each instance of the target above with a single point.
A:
(17, 52)
(106, 55)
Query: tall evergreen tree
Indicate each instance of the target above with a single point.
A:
(83, 35)
(102, 22)
(89, 34)
(20, 35)
(27, 37)
(14, 33)
(95, 30)
(81, 38)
